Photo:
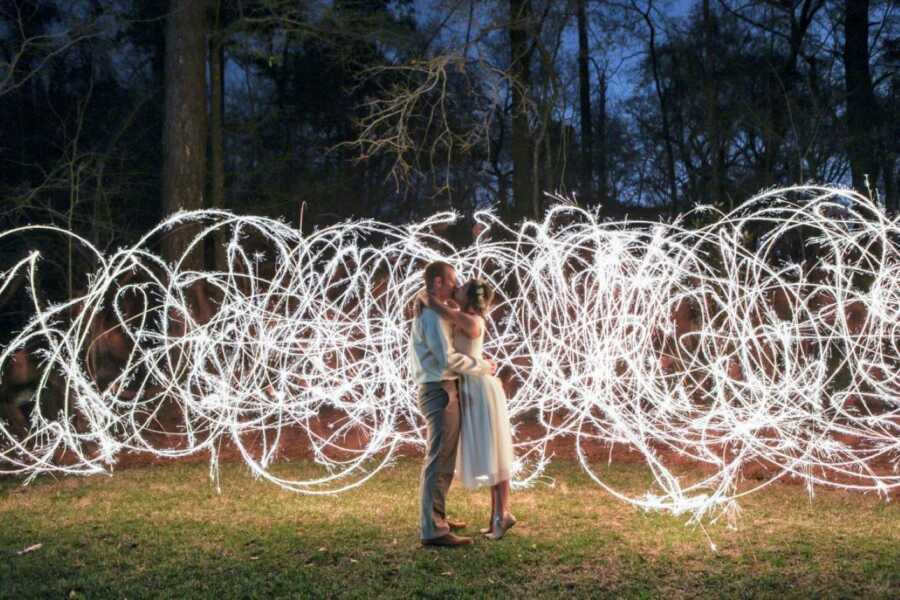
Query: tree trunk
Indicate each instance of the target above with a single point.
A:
(781, 83)
(710, 91)
(216, 135)
(664, 110)
(586, 165)
(603, 197)
(184, 130)
(891, 143)
(862, 119)
(520, 72)
(889, 168)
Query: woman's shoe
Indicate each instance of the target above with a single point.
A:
(501, 526)
(494, 529)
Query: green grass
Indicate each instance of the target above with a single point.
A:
(164, 532)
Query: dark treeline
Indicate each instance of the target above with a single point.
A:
(117, 112)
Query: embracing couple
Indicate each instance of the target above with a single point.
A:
(464, 405)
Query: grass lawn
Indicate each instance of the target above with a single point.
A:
(163, 532)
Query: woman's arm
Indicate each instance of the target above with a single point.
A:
(470, 325)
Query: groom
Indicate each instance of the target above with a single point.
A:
(436, 366)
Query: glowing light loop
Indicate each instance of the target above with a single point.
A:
(688, 346)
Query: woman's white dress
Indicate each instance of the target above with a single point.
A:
(485, 452)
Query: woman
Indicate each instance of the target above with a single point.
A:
(485, 444)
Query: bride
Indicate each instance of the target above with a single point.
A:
(485, 444)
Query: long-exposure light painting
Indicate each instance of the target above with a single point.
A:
(710, 346)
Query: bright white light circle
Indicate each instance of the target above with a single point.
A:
(710, 345)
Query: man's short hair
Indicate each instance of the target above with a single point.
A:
(436, 268)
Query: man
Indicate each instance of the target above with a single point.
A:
(436, 367)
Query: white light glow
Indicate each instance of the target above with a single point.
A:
(689, 346)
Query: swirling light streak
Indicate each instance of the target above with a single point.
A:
(682, 344)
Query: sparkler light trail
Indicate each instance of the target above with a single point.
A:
(766, 340)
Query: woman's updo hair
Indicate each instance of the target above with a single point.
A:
(479, 296)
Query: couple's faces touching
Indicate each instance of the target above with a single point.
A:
(448, 287)
(461, 294)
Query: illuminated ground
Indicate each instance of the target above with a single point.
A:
(161, 531)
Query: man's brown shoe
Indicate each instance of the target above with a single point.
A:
(454, 525)
(448, 539)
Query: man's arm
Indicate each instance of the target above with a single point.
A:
(468, 324)
(440, 346)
